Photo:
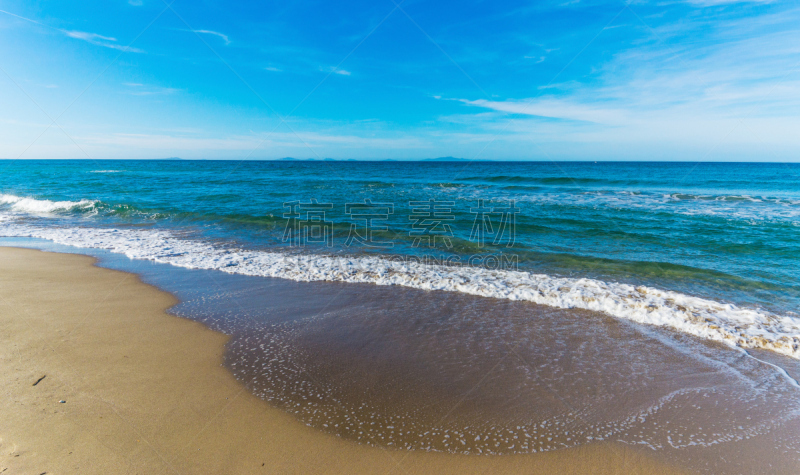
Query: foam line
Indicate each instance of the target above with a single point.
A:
(727, 323)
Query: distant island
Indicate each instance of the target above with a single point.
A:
(446, 159)
(438, 159)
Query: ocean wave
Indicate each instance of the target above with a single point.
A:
(38, 207)
(105, 171)
(727, 323)
(735, 207)
(547, 180)
(732, 198)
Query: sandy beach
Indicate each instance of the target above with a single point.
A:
(145, 392)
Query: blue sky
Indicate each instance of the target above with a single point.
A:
(511, 80)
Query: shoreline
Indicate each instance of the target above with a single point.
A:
(703, 316)
(146, 391)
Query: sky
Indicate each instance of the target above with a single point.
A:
(697, 80)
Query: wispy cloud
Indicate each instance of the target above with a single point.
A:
(335, 70)
(90, 37)
(100, 40)
(554, 109)
(667, 95)
(215, 33)
(674, 77)
(537, 59)
(93, 38)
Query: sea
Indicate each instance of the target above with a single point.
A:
(368, 297)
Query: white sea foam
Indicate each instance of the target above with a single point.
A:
(42, 207)
(105, 171)
(6, 199)
(727, 323)
(737, 207)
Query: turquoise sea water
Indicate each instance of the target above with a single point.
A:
(724, 231)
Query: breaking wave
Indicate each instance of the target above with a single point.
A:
(727, 323)
(39, 207)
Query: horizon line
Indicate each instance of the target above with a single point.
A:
(399, 160)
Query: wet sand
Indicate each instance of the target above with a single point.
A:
(395, 367)
(146, 392)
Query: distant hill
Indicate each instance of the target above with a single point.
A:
(445, 159)
(438, 159)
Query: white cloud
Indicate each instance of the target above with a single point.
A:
(100, 40)
(93, 38)
(732, 91)
(538, 59)
(135, 3)
(335, 70)
(215, 33)
(555, 109)
(273, 69)
(90, 37)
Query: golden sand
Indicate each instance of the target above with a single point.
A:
(146, 392)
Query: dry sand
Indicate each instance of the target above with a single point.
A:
(145, 392)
